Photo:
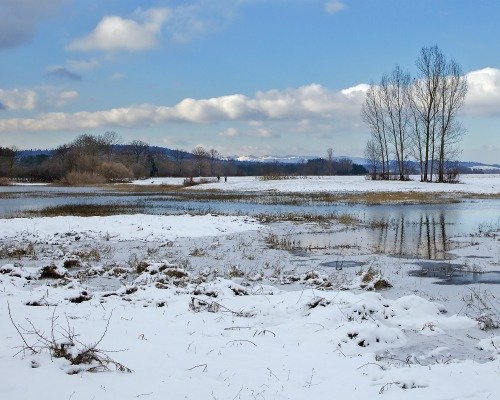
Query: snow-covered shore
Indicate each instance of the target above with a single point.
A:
(128, 227)
(477, 184)
(215, 307)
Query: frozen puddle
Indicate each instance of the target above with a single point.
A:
(340, 264)
(454, 274)
(103, 284)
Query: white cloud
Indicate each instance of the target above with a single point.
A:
(483, 97)
(18, 99)
(229, 132)
(42, 97)
(62, 98)
(306, 109)
(312, 101)
(114, 33)
(334, 6)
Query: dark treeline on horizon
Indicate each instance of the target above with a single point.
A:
(94, 159)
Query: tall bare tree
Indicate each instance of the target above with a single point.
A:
(329, 154)
(395, 99)
(431, 65)
(200, 156)
(373, 116)
(453, 90)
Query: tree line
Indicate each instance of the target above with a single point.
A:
(416, 118)
(95, 159)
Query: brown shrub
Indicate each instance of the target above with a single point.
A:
(75, 178)
(114, 171)
(5, 181)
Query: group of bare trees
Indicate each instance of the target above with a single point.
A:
(416, 119)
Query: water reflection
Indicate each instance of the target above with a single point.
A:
(396, 235)
(426, 238)
(454, 274)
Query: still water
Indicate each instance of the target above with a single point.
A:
(417, 230)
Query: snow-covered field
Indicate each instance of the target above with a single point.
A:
(130, 227)
(487, 184)
(216, 307)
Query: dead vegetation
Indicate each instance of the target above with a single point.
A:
(85, 210)
(63, 342)
(484, 307)
(17, 252)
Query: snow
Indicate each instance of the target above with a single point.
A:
(131, 227)
(475, 183)
(244, 347)
(485, 168)
(199, 307)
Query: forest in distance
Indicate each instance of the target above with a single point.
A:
(96, 159)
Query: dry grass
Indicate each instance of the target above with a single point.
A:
(5, 181)
(85, 210)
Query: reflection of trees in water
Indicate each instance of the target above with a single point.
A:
(424, 239)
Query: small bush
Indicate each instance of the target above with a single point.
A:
(75, 178)
(276, 177)
(5, 181)
(114, 172)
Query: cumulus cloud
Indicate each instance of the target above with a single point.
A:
(57, 98)
(334, 6)
(62, 73)
(114, 33)
(302, 107)
(19, 19)
(38, 98)
(229, 132)
(311, 101)
(483, 97)
(18, 99)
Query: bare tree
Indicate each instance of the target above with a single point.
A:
(214, 161)
(453, 90)
(373, 116)
(109, 140)
(138, 148)
(431, 65)
(201, 156)
(329, 154)
(395, 97)
(372, 154)
(418, 117)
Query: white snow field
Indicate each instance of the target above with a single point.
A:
(269, 345)
(205, 307)
(477, 184)
(128, 227)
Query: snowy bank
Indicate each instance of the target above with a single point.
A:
(477, 184)
(127, 227)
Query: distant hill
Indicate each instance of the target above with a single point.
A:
(288, 159)
(293, 159)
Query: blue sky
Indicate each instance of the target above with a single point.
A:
(244, 76)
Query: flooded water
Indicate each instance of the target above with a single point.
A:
(410, 230)
(454, 274)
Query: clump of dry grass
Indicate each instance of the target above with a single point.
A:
(51, 272)
(18, 252)
(5, 181)
(192, 182)
(276, 177)
(85, 210)
(372, 279)
(63, 343)
(484, 307)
